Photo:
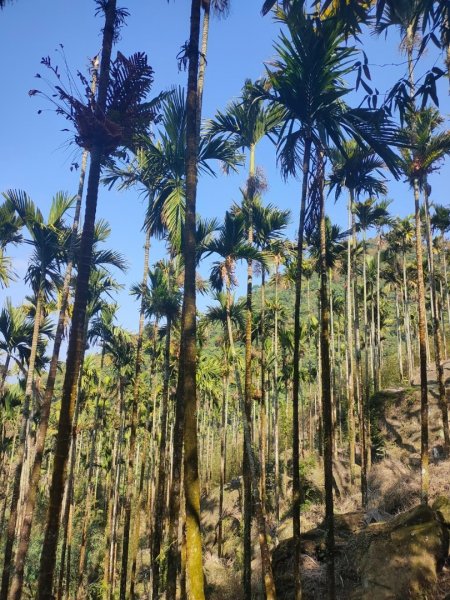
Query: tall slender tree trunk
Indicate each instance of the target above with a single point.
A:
(350, 356)
(66, 522)
(276, 403)
(367, 378)
(378, 320)
(194, 105)
(358, 379)
(8, 481)
(162, 477)
(424, 458)
(296, 485)
(89, 497)
(133, 426)
(76, 338)
(223, 455)
(407, 319)
(30, 501)
(21, 450)
(247, 570)
(3, 378)
(137, 520)
(326, 401)
(269, 583)
(263, 411)
(188, 388)
(437, 336)
(399, 336)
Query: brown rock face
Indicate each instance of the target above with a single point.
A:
(399, 559)
(394, 560)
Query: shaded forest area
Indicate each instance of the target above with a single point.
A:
(292, 439)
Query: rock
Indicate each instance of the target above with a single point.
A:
(442, 506)
(398, 559)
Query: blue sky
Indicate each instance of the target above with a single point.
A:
(35, 155)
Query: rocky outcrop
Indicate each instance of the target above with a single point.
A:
(397, 559)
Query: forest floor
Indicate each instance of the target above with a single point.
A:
(371, 548)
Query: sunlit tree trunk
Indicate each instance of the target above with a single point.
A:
(326, 402)
(263, 411)
(359, 395)
(162, 477)
(133, 425)
(296, 489)
(399, 336)
(424, 458)
(30, 501)
(276, 402)
(66, 522)
(87, 509)
(350, 355)
(187, 368)
(8, 481)
(76, 338)
(247, 571)
(407, 319)
(269, 584)
(223, 456)
(442, 400)
(367, 379)
(20, 453)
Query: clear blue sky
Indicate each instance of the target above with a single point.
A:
(34, 152)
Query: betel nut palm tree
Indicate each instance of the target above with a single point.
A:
(246, 122)
(306, 79)
(108, 121)
(231, 246)
(49, 241)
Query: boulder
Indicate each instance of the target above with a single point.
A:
(399, 559)
(442, 506)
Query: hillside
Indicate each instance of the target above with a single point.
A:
(395, 549)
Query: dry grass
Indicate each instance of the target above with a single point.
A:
(393, 487)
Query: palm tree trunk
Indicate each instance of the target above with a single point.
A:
(223, 456)
(188, 389)
(326, 404)
(30, 501)
(8, 481)
(263, 411)
(350, 357)
(206, 5)
(161, 482)
(378, 320)
(276, 404)
(76, 338)
(137, 520)
(109, 511)
(367, 380)
(66, 522)
(444, 268)
(4, 375)
(296, 486)
(247, 570)
(269, 583)
(21, 450)
(88, 504)
(407, 322)
(133, 425)
(359, 395)
(332, 367)
(115, 509)
(442, 400)
(424, 458)
(399, 336)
